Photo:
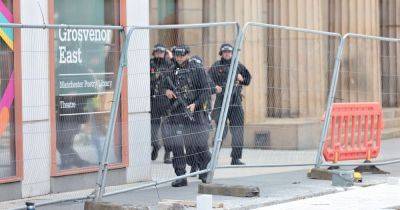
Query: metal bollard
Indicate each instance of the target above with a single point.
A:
(30, 206)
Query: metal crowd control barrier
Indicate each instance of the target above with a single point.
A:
(355, 132)
(283, 34)
(128, 52)
(209, 48)
(206, 46)
(362, 83)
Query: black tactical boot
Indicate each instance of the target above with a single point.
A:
(154, 153)
(179, 183)
(192, 170)
(203, 177)
(236, 162)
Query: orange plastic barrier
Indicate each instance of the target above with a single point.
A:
(354, 132)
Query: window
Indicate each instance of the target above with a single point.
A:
(85, 66)
(8, 166)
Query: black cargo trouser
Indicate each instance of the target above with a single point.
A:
(191, 136)
(156, 125)
(235, 120)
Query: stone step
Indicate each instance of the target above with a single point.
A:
(391, 113)
(390, 133)
(391, 123)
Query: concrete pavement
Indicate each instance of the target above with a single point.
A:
(275, 188)
(277, 185)
(382, 196)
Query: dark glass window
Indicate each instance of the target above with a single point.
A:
(86, 61)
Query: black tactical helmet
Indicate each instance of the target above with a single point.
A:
(225, 47)
(159, 48)
(196, 59)
(180, 50)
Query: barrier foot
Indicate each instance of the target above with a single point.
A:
(229, 190)
(333, 167)
(370, 169)
(320, 173)
(93, 205)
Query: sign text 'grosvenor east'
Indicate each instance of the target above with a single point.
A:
(69, 55)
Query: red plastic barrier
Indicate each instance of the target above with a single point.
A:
(354, 132)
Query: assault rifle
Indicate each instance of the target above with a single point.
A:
(179, 100)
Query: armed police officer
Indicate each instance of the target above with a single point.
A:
(212, 89)
(186, 88)
(219, 74)
(159, 64)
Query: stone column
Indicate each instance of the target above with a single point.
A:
(252, 53)
(360, 77)
(390, 51)
(297, 65)
(190, 12)
(154, 20)
(217, 11)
